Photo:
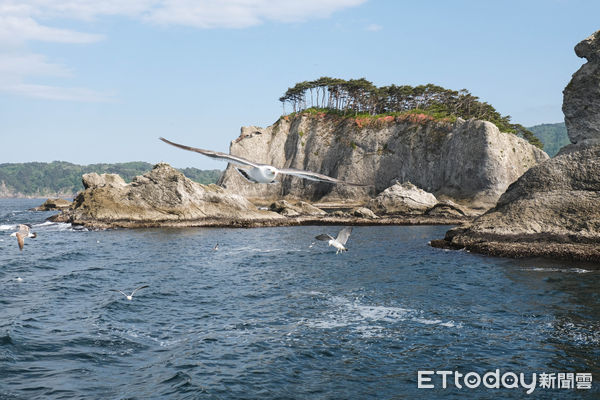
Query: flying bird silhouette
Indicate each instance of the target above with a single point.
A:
(23, 233)
(340, 241)
(129, 296)
(262, 173)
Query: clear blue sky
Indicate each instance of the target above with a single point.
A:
(98, 81)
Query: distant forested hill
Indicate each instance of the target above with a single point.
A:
(63, 178)
(554, 136)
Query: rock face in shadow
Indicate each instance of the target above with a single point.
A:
(161, 197)
(581, 97)
(553, 210)
(467, 161)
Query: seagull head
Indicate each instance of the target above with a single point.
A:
(270, 172)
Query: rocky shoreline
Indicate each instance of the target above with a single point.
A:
(164, 197)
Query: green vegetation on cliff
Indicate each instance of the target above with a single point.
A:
(59, 177)
(554, 136)
(359, 96)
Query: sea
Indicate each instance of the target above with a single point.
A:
(271, 314)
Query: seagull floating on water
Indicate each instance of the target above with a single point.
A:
(216, 247)
(129, 296)
(262, 173)
(22, 233)
(340, 241)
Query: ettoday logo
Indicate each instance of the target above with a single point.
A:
(508, 380)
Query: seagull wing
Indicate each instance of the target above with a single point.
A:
(344, 234)
(20, 240)
(23, 230)
(325, 237)
(120, 291)
(314, 176)
(138, 288)
(214, 154)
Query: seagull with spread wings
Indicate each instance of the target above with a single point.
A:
(340, 241)
(129, 296)
(23, 233)
(261, 173)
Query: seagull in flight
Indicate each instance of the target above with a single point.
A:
(340, 241)
(261, 173)
(22, 233)
(129, 296)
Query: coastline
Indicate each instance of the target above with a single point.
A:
(265, 223)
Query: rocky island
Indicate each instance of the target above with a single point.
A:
(427, 165)
(553, 210)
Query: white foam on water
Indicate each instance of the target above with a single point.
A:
(53, 226)
(579, 270)
(7, 227)
(543, 269)
(370, 320)
(428, 321)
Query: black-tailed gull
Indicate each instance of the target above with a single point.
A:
(22, 233)
(339, 241)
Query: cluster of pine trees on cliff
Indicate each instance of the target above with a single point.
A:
(360, 96)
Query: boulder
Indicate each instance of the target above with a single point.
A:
(402, 198)
(161, 197)
(288, 209)
(363, 212)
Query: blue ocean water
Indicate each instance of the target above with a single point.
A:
(267, 316)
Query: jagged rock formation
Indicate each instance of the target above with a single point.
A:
(467, 161)
(553, 210)
(581, 97)
(402, 198)
(161, 197)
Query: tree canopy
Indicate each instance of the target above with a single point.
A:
(359, 96)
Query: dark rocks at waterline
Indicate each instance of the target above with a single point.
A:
(53, 205)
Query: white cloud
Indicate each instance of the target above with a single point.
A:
(374, 28)
(241, 13)
(56, 92)
(17, 30)
(22, 21)
(15, 69)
